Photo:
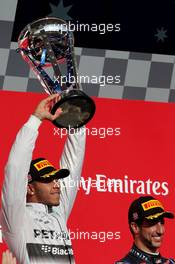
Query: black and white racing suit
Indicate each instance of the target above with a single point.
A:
(34, 232)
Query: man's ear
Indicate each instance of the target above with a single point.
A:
(135, 228)
(30, 189)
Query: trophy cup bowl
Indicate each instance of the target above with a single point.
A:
(48, 44)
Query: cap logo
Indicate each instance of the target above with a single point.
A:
(154, 216)
(42, 164)
(49, 174)
(151, 204)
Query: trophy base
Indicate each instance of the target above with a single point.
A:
(77, 109)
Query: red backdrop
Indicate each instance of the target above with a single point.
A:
(143, 151)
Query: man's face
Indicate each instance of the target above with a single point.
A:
(47, 193)
(150, 235)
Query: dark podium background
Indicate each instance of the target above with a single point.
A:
(146, 26)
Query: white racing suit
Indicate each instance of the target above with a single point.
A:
(34, 232)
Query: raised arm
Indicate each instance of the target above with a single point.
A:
(72, 158)
(15, 181)
(16, 171)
